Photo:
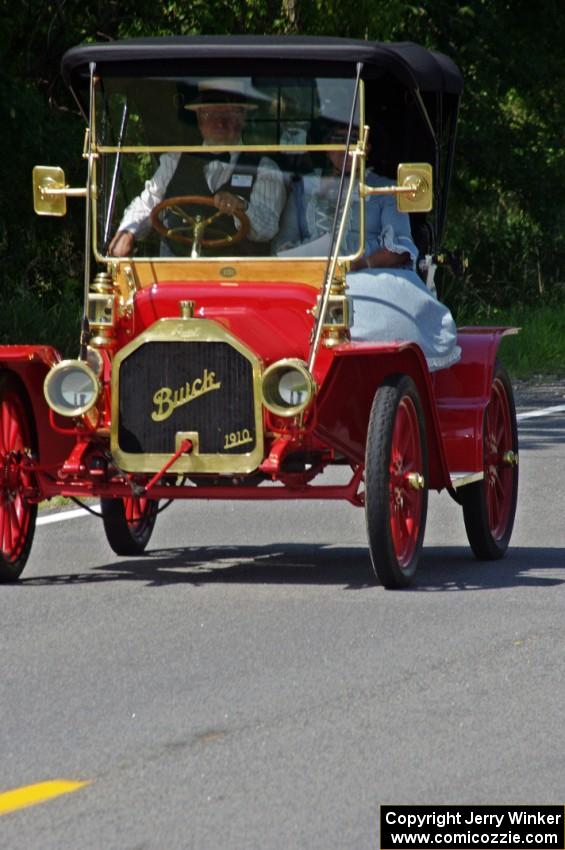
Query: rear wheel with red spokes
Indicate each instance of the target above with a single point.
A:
(489, 506)
(17, 515)
(129, 523)
(396, 472)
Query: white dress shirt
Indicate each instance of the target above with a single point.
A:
(266, 201)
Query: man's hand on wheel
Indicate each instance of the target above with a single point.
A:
(228, 203)
(122, 244)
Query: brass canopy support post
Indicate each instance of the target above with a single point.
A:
(337, 234)
(85, 328)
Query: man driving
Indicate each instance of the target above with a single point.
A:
(235, 182)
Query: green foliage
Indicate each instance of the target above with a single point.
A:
(506, 208)
(539, 347)
(51, 317)
(506, 212)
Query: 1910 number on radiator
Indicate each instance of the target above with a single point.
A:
(237, 438)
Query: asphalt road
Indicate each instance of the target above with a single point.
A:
(247, 685)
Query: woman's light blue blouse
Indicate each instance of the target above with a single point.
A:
(386, 227)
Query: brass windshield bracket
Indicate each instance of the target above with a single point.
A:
(85, 144)
(414, 189)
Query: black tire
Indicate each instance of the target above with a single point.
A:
(489, 506)
(129, 523)
(17, 516)
(395, 505)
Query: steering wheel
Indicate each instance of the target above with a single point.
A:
(191, 231)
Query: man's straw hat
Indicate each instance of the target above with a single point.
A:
(222, 92)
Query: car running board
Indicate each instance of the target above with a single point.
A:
(460, 479)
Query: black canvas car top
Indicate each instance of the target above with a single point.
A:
(415, 66)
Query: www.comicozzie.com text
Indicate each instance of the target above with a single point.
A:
(486, 829)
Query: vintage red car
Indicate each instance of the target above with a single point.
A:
(214, 365)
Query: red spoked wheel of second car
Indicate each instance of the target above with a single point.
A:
(129, 523)
(396, 472)
(489, 506)
(17, 515)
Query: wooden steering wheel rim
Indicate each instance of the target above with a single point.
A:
(186, 200)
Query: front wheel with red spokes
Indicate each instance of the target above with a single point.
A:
(489, 506)
(129, 523)
(17, 515)
(396, 474)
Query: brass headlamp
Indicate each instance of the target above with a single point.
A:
(71, 388)
(288, 387)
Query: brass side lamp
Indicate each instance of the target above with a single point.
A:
(50, 191)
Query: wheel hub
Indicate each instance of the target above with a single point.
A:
(11, 479)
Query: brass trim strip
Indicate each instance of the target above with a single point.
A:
(188, 330)
(107, 149)
(367, 191)
(67, 191)
(140, 273)
(461, 479)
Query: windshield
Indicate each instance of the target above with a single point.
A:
(223, 166)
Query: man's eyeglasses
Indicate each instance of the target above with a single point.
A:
(223, 112)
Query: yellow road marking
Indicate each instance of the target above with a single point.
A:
(31, 795)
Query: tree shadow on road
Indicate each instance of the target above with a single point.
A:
(441, 568)
(542, 433)
(454, 568)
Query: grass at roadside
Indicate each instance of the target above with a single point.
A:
(539, 348)
(63, 502)
(56, 502)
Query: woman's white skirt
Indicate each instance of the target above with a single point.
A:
(394, 305)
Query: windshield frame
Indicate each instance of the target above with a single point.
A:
(119, 150)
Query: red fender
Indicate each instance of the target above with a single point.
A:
(29, 364)
(347, 393)
(462, 393)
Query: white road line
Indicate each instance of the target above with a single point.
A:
(61, 515)
(542, 411)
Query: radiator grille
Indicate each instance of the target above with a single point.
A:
(203, 387)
